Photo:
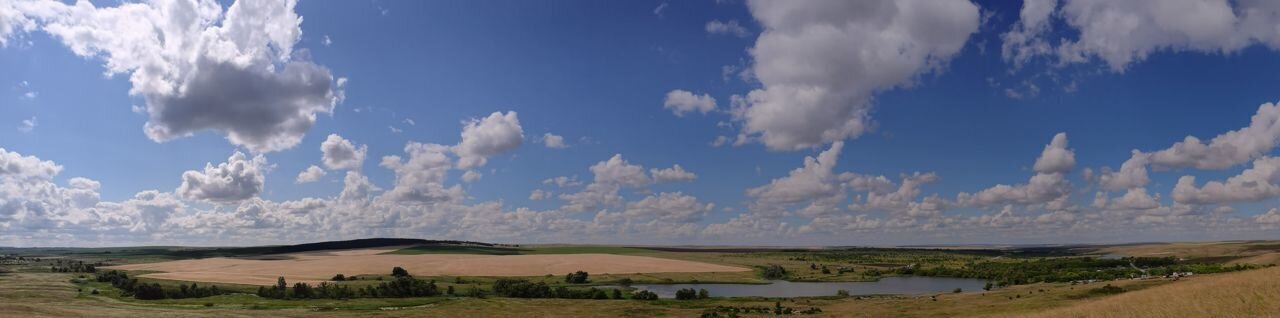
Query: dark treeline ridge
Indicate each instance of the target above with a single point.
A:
(131, 287)
(1070, 269)
(1019, 251)
(311, 246)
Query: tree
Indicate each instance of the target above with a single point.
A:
(774, 271)
(399, 272)
(686, 294)
(957, 290)
(842, 293)
(148, 291)
(302, 290)
(339, 277)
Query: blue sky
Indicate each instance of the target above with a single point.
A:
(952, 97)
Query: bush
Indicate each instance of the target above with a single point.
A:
(842, 293)
(579, 277)
(1106, 290)
(644, 295)
(520, 288)
(957, 290)
(339, 277)
(399, 272)
(403, 286)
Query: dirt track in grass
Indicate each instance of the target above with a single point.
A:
(317, 267)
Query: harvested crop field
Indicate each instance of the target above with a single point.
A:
(317, 267)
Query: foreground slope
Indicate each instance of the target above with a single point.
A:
(1253, 293)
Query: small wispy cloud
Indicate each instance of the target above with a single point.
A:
(731, 27)
(27, 92)
(28, 125)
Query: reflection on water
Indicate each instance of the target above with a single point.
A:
(884, 286)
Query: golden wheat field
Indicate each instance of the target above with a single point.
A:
(318, 267)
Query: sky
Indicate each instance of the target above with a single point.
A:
(727, 122)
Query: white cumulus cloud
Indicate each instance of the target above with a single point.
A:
(482, 138)
(682, 101)
(340, 153)
(237, 179)
(822, 62)
(197, 66)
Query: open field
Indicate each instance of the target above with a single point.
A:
(1230, 250)
(1042, 281)
(313, 267)
(52, 295)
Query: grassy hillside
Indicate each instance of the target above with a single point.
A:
(1244, 294)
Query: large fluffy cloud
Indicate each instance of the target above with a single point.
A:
(237, 179)
(486, 137)
(1260, 182)
(15, 165)
(1121, 33)
(1228, 149)
(198, 67)
(822, 62)
(340, 153)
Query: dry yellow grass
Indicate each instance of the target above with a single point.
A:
(317, 267)
(1263, 259)
(1240, 249)
(1253, 293)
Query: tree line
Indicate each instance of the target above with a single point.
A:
(1060, 270)
(403, 285)
(131, 287)
(73, 267)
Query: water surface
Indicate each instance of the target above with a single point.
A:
(779, 288)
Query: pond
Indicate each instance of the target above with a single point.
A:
(884, 286)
